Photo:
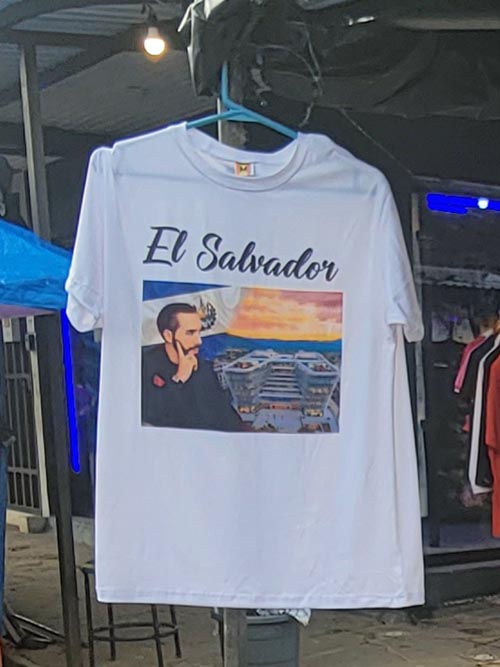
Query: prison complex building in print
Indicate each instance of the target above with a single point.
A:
(286, 392)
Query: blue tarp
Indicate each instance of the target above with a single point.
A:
(32, 272)
(32, 277)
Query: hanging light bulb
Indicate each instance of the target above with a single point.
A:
(154, 44)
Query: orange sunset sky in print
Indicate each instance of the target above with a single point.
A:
(288, 315)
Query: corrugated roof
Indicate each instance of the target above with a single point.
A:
(50, 56)
(47, 58)
(6, 3)
(9, 64)
(98, 20)
(122, 95)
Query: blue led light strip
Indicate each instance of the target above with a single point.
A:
(460, 204)
(74, 449)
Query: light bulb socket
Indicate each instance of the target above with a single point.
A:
(153, 33)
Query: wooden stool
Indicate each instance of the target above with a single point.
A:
(108, 633)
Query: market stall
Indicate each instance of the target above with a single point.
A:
(32, 275)
(373, 87)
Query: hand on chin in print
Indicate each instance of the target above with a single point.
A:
(188, 362)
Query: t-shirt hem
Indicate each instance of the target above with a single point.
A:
(242, 601)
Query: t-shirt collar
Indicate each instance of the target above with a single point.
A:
(199, 147)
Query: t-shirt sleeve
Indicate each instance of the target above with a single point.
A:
(85, 283)
(402, 305)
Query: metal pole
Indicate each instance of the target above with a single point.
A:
(419, 361)
(52, 350)
(234, 620)
(232, 133)
(235, 638)
(33, 133)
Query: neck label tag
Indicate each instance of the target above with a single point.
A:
(244, 169)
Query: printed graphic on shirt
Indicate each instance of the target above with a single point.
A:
(241, 359)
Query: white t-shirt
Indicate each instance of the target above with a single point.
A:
(256, 302)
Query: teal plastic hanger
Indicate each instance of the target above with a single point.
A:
(237, 112)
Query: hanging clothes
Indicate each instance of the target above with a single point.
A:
(492, 439)
(493, 406)
(468, 389)
(304, 254)
(480, 476)
(466, 384)
(466, 358)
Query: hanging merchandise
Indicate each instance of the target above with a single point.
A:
(462, 330)
(480, 476)
(466, 359)
(492, 439)
(478, 381)
(440, 328)
(460, 271)
(255, 428)
(470, 383)
(391, 56)
(211, 30)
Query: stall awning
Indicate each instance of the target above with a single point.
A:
(32, 273)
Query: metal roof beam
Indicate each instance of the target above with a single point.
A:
(29, 9)
(58, 143)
